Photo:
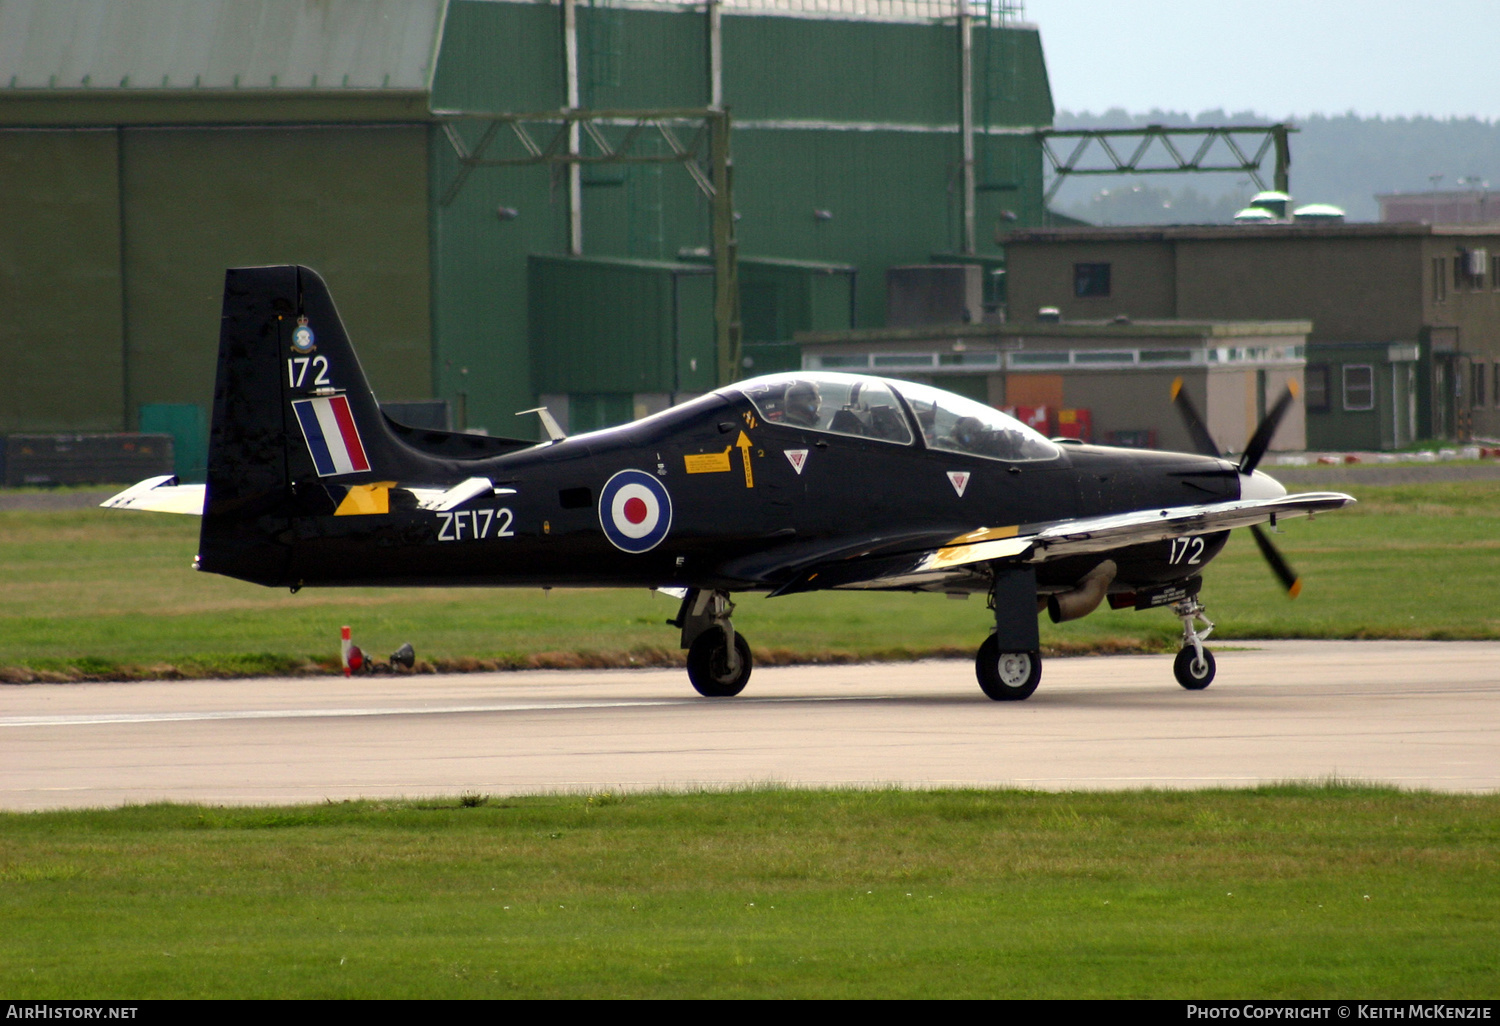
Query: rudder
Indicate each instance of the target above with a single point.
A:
(292, 408)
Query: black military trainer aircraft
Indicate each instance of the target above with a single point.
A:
(782, 484)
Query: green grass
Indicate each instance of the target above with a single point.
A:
(108, 595)
(1289, 892)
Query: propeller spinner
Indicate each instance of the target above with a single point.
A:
(1253, 483)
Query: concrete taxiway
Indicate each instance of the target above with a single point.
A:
(1414, 714)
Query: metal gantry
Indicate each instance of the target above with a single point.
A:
(547, 138)
(1247, 146)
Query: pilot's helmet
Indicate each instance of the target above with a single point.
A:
(803, 403)
(968, 432)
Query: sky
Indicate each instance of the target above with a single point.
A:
(1278, 58)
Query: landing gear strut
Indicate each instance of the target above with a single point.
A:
(1194, 665)
(1009, 663)
(718, 661)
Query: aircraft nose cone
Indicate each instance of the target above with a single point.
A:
(1256, 485)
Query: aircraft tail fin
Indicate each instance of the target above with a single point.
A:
(294, 423)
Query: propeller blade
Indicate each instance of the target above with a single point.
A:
(1194, 423)
(1261, 440)
(1279, 566)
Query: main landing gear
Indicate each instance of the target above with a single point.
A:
(718, 660)
(1007, 676)
(1194, 665)
(1009, 663)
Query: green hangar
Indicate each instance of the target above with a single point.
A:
(510, 200)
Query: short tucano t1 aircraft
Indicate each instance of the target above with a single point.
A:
(782, 484)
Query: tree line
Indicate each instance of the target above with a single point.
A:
(1343, 159)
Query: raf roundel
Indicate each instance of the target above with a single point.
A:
(635, 511)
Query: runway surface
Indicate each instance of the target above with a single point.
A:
(1415, 714)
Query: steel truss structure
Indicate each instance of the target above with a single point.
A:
(1247, 145)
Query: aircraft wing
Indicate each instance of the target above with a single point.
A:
(160, 495)
(1038, 543)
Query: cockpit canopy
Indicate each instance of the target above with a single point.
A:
(890, 411)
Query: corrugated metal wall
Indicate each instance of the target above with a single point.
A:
(148, 146)
(625, 326)
(113, 245)
(61, 360)
(348, 202)
(854, 118)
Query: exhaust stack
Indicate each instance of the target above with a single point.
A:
(1085, 596)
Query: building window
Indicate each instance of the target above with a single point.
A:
(1359, 386)
(1090, 281)
(1439, 280)
(1316, 379)
(1477, 264)
(1479, 383)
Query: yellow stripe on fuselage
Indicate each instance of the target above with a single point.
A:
(366, 499)
(984, 534)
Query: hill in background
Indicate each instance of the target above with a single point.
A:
(1341, 159)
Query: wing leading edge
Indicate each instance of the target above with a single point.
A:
(1040, 543)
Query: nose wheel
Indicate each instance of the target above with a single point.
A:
(1194, 665)
(1193, 671)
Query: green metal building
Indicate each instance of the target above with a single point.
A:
(145, 145)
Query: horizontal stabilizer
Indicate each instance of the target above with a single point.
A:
(452, 498)
(160, 495)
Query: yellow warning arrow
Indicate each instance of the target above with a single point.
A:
(744, 446)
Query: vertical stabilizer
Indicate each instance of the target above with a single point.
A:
(293, 415)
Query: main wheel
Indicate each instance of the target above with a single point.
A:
(1007, 676)
(708, 664)
(1192, 674)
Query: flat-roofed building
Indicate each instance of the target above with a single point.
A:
(1466, 206)
(1405, 338)
(1104, 381)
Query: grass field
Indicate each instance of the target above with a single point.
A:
(1292, 892)
(106, 595)
(1299, 891)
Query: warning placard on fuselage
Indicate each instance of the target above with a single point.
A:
(1167, 594)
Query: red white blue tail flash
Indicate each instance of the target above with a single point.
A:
(331, 435)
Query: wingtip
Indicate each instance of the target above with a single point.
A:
(1176, 387)
(1291, 386)
(1295, 589)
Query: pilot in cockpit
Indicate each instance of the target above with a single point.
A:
(968, 434)
(803, 404)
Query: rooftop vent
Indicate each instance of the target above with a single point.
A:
(1323, 213)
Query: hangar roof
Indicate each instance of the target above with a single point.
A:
(186, 45)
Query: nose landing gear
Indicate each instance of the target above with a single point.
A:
(718, 660)
(1194, 665)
